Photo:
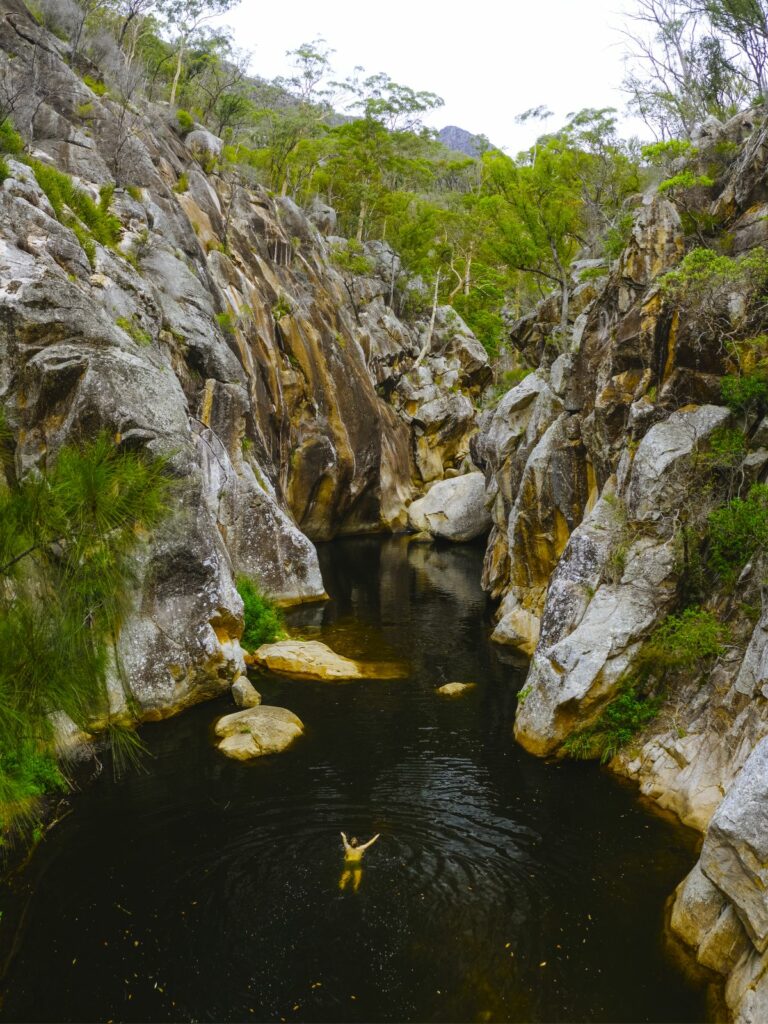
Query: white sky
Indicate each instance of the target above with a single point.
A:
(488, 60)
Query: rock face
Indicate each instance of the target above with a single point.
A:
(257, 731)
(311, 659)
(599, 466)
(245, 694)
(453, 509)
(217, 332)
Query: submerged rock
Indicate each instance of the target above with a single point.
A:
(454, 689)
(453, 509)
(245, 693)
(310, 659)
(257, 731)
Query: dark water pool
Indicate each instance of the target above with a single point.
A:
(503, 888)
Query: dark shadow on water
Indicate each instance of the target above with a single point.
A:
(503, 888)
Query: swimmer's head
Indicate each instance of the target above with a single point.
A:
(353, 841)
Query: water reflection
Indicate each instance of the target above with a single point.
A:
(502, 888)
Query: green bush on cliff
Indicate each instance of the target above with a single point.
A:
(747, 393)
(263, 623)
(621, 719)
(683, 641)
(737, 531)
(67, 534)
(91, 222)
(11, 143)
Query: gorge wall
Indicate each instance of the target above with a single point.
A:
(598, 465)
(218, 332)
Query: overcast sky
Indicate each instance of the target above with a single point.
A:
(489, 59)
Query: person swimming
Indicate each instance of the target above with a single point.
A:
(353, 851)
(353, 861)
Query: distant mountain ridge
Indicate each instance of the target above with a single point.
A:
(462, 141)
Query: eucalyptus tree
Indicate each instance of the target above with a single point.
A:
(185, 19)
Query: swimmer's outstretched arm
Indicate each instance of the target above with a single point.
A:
(370, 842)
(344, 840)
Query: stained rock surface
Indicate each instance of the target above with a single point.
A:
(257, 731)
(311, 659)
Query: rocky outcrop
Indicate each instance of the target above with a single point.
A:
(256, 732)
(217, 331)
(600, 465)
(453, 509)
(454, 689)
(311, 659)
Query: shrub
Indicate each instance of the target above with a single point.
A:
(134, 330)
(182, 185)
(263, 622)
(95, 85)
(684, 640)
(5, 171)
(64, 196)
(227, 323)
(67, 535)
(185, 121)
(726, 447)
(10, 140)
(737, 531)
(620, 720)
(745, 393)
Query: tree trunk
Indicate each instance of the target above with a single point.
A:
(361, 221)
(177, 75)
(430, 331)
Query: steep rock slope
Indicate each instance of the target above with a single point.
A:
(214, 329)
(594, 464)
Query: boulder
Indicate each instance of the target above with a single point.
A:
(323, 217)
(454, 689)
(203, 143)
(255, 732)
(245, 694)
(311, 659)
(453, 509)
(735, 851)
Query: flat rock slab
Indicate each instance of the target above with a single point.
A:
(257, 731)
(310, 659)
(454, 689)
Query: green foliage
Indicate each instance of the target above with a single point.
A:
(134, 330)
(66, 539)
(11, 143)
(72, 204)
(97, 87)
(227, 322)
(726, 447)
(185, 121)
(704, 270)
(511, 378)
(263, 623)
(746, 393)
(135, 193)
(685, 179)
(281, 308)
(182, 185)
(662, 153)
(5, 170)
(28, 773)
(351, 258)
(620, 721)
(616, 240)
(738, 531)
(684, 641)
